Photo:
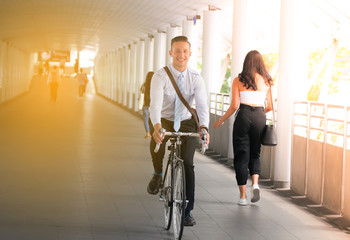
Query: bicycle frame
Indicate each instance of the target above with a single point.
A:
(173, 185)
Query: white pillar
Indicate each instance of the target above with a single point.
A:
(132, 74)
(159, 50)
(139, 72)
(119, 76)
(239, 50)
(126, 76)
(2, 71)
(190, 30)
(109, 75)
(211, 53)
(292, 60)
(114, 71)
(172, 32)
(149, 53)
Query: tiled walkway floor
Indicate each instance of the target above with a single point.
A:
(78, 169)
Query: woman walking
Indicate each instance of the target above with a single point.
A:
(249, 91)
(145, 89)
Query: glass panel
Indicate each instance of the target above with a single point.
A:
(335, 140)
(300, 120)
(301, 108)
(317, 111)
(336, 113)
(336, 127)
(317, 123)
(300, 131)
(316, 135)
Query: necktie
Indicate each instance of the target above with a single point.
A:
(178, 104)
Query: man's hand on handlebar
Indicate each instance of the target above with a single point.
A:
(207, 134)
(157, 136)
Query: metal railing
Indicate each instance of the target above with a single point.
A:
(320, 167)
(219, 103)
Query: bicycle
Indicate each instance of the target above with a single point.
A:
(173, 187)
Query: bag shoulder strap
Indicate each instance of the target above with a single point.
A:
(180, 95)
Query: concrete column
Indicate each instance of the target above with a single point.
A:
(139, 72)
(105, 74)
(239, 50)
(126, 74)
(132, 74)
(124, 77)
(110, 60)
(292, 60)
(149, 53)
(159, 50)
(108, 75)
(2, 70)
(190, 30)
(119, 76)
(103, 82)
(212, 43)
(172, 32)
(114, 71)
(112, 75)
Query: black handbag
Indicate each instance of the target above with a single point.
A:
(269, 137)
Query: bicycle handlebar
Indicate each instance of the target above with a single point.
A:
(184, 134)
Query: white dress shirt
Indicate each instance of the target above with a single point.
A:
(163, 96)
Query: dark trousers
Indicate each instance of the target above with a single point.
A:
(187, 153)
(247, 131)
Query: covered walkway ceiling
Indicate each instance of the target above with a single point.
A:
(104, 25)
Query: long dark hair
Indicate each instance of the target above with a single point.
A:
(253, 63)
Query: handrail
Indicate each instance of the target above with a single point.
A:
(218, 103)
(340, 120)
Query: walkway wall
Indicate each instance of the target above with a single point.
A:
(321, 160)
(16, 70)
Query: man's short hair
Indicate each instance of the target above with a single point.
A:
(180, 39)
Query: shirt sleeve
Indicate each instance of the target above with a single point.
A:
(200, 95)
(156, 94)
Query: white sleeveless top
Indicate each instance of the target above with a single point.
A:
(252, 97)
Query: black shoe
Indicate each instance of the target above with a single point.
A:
(189, 220)
(154, 184)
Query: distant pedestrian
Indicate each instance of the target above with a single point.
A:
(47, 67)
(82, 81)
(62, 67)
(76, 67)
(53, 81)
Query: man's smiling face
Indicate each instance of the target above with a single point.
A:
(180, 52)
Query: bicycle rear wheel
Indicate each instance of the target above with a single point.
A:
(166, 191)
(179, 203)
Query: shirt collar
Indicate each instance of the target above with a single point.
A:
(176, 72)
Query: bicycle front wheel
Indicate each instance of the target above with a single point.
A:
(166, 191)
(179, 203)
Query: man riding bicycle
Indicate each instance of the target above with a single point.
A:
(165, 114)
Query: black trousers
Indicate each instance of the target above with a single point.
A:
(187, 153)
(247, 131)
